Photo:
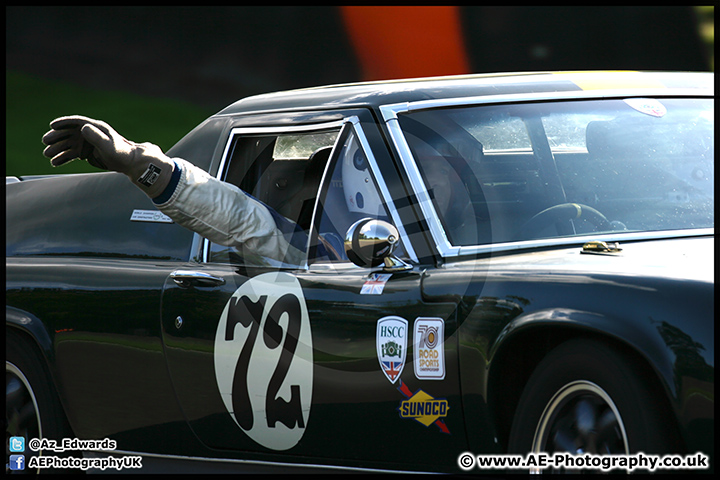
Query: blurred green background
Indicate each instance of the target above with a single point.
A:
(34, 99)
(32, 102)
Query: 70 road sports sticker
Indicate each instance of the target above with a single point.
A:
(264, 360)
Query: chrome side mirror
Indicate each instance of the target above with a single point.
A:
(370, 243)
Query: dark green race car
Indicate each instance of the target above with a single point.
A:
(497, 264)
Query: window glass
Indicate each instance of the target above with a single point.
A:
(349, 195)
(283, 172)
(499, 131)
(633, 165)
(300, 147)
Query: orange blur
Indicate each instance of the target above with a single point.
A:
(403, 42)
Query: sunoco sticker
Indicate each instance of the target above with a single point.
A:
(423, 408)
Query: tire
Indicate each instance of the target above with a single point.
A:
(586, 397)
(32, 407)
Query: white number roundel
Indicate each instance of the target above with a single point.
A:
(264, 360)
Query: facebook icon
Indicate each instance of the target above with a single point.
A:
(17, 462)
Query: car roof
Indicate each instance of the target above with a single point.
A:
(374, 94)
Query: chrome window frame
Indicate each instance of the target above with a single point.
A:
(443, 245)
(382, 186)
(354, 121)
(272, 130)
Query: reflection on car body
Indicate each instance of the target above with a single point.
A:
(491, 263)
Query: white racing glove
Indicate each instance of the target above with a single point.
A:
(98, 143)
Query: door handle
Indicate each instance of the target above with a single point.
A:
(186, 278)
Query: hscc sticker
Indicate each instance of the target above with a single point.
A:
(264, 360)
(391, 344)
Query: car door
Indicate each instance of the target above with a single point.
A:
(386, 380)
(322, 358)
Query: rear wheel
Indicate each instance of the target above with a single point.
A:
(32, 407)
(586, 397)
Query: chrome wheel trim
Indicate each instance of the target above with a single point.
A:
(564, 406)
(13, 372)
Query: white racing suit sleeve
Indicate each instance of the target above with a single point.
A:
(224, 214)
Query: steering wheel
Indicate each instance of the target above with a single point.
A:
(563, 211)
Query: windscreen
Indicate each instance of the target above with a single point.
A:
(512, 172)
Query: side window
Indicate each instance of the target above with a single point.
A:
(349, 194)
(283, 171)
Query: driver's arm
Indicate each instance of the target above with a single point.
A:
(216, 210)
(223, 213)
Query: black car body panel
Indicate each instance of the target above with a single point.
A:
(94, 285)
(61, 218)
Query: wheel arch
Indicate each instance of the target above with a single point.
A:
(527, 340)
(32, 329)
(26, 328)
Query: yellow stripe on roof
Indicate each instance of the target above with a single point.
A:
(612, 80)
